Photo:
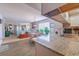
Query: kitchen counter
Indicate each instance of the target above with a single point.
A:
(63, 45)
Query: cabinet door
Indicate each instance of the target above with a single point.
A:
(43, 51)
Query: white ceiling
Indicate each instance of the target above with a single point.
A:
(19, 11)
(35, 5)
(47, 7)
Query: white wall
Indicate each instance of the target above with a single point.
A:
(56, 26)
(1, 29)
(1, 34)
(74, 21)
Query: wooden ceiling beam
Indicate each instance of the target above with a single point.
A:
(68, 7)
(62, 9)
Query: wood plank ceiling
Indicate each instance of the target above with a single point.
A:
(62, 9)
(67, 7)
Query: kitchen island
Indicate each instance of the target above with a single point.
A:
(67, 46)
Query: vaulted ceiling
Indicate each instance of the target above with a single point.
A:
(30, 12)
(72, 17)
(66, 13)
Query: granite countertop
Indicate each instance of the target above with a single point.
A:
(63, 45)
